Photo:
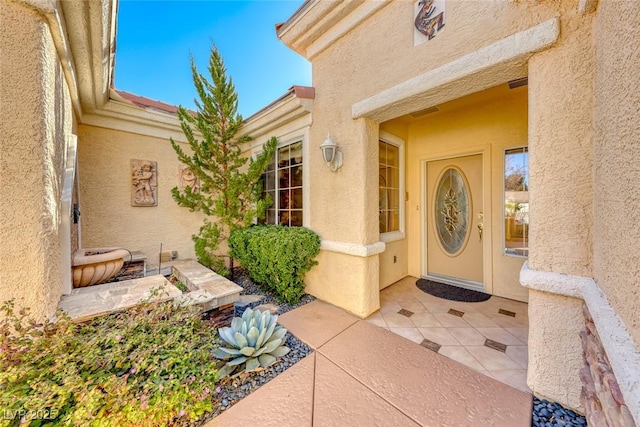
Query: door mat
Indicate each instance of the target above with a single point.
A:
(452, 293)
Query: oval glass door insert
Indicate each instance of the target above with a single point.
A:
(452, 210)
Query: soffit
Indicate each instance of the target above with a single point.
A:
(319, 23)
(90, 27)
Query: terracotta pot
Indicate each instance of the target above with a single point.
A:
(92, 266)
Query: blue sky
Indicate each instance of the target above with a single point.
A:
(156, 38)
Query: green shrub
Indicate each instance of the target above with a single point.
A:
(253, 340)
(277, 257)
(149, 366)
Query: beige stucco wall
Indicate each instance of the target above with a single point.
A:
(108, 219)
(36, 121)
(561, 82)
(487, 122)
(616, 230)
(555, 351)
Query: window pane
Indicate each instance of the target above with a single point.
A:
(296, 176)
(383, 153)
(283, 178)
(283, 217)
(296, 201)
(296, 218)
(516, 201)
(269, 181)
(284, 200)
(271, 216)
(389, 185)
(296, 153)
(394, 178)
(283, 157)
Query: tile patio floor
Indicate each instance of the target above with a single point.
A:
(363, 375)
(439, 325)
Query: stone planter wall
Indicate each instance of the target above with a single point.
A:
(601, 397)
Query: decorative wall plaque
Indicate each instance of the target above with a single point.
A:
(186, 178)
(429, 19)
(144, 183)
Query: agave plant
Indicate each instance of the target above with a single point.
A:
(253, 340)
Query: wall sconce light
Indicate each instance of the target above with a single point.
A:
(331, 154)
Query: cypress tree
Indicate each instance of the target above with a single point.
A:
(230, 190)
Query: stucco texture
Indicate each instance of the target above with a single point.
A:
(616, 230)
(346, 281)
(35, 127)
(108, 219)
(560, 150)
(555, 350)
(561, 194)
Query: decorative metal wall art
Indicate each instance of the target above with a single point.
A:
(451, 211)
(429, 19)
(144, 183)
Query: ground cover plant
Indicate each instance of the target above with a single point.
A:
(152, 365)
(277, 257)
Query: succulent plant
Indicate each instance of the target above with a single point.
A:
(253, 340)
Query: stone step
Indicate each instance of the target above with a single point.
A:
(198, 278)
(93, 301)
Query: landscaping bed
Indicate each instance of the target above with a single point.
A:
(150, 365)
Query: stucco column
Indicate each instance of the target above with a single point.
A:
(35, 121)
(560, 160)
(344, 212)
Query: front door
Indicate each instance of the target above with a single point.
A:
(455, 221)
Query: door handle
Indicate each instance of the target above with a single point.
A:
(480, 225)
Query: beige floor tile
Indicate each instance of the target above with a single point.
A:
(390, 307)
(439, 306)
(425, 320)
(509, 322)
(514, 377)
(317, 322)
(500, 335)
(377, 319)
(395, 320)
(439, 336)
(451, 321)
(467, 336)
(519, 354)
(396, 369)
(491, 359)
(412, 334)
(291, 393)
(412, 305)
(479, 320)
(465, 307)
(521, 333)
(340, 400)
(461, 355)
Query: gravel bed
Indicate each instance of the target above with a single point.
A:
(550, 414)
(233, 389)
(250, 288)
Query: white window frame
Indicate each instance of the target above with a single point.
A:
(392, 236)
(283, 142)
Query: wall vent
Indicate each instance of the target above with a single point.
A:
(518, 82)
(425, 111)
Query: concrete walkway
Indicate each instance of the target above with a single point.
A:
(364, 375)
